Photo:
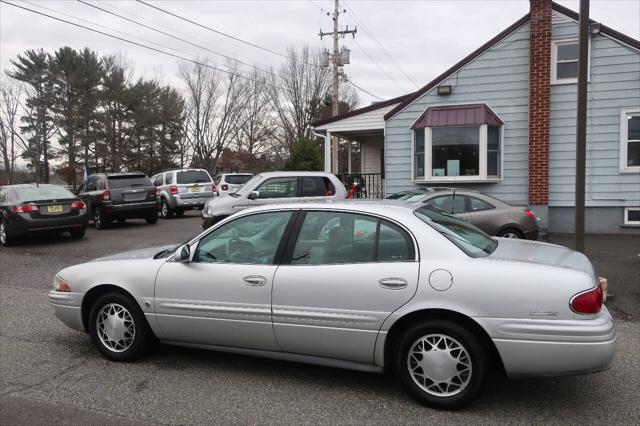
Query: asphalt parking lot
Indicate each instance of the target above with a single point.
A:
(50, 374)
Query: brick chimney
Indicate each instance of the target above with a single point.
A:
(539, 101)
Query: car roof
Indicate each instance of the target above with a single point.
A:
(285, 174)
(120, 174)
(184, 170)
(382, 207)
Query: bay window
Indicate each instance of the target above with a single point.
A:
(457, 143)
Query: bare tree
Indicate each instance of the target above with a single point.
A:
(258, 119)
(11, 141)
(215, 103)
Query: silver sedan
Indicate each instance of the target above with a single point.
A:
(360, 285)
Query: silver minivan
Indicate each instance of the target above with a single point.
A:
(274, 188)
(181, 190)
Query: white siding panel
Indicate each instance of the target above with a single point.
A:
(365, 121)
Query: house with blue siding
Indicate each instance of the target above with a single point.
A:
(503, 121)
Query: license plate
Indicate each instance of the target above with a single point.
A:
(195, 189)
(54, 209)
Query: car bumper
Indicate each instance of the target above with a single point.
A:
(23, 225)
(542, 348)
(531, 235)
(132, 210)
(192, 201)
(67, 307)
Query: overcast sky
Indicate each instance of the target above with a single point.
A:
(423, 37)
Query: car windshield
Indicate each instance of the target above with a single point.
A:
(467, 237)
(237, 179)
(42, 192)
(128, 181)
(192, 176)
(251, 183)
(412, 196)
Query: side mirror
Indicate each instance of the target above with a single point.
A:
(253, 195)
(183, 254)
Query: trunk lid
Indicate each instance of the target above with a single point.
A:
(542, 254)
(133, 188)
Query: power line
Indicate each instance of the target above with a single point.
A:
(378, 43)
(173, 36)
(244, 41)
(213, 30)
(379, 65)
(144, 46)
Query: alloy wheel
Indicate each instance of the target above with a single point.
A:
(439, 365)
(164, 212)
(116, 328)
(511, 235)
(97, 218)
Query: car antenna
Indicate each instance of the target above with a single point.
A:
(453, 200)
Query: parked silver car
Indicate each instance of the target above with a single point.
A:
(359, 285)
(272, 188)
(181, 190)
(493, 216)
(226, 183)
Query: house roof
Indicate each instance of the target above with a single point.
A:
(368, 108)
(495, 40)
(457, 115)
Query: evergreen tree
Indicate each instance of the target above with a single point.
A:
(304, 157)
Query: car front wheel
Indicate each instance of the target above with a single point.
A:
(441, 364)
(99, 220)
(511, 233)
(118, 328)
(5, 239)
(165, 211)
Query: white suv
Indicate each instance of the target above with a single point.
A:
(274, 188)
(230, 182)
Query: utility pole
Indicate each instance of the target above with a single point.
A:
(581, 123)
(338, 59)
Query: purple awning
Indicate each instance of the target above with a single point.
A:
(457, 115)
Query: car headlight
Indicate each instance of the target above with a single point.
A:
(60, 285)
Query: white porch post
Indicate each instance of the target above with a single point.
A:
(349, 156)
(327, 152)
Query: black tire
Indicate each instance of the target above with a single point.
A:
(122, 220)
(151, 220)
(6, 239)
(126, 350)
(471, 382)
(511, 233)
(165, 209)
(100, 221)
(179, 213)
(77, 233)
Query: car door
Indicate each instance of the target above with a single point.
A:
(484, 215)
(316, 188)
(223, 295)
(86, 192)
(277, 190)
(341, 277)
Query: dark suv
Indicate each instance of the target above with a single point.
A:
(119, 196)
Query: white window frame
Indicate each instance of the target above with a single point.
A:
(428, 160)
(554, 60)
(624, 142)
(626, 216)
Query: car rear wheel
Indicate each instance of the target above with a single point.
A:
(151, 220)
(511, 233)
(165, 210)
(441, 364)
(5, 238)
(118, 328)
(99, 220)
(179, 213)
(77, 233)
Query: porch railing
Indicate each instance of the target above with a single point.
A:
(363, 185)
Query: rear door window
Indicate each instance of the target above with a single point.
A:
(128, 181)
(192, 176)
(337, 238)
(237, 179)
(158, 181)
(317, 186)
(477, 205)
(448, 203)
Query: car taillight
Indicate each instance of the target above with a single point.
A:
(173, 189)
(106, 195)
(225, 187)
(25, 209)
(78, 205)
(214, 188)
(587, 302)
(530, 214)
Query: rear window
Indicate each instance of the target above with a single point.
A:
(237, 179)
(467, 237)
(128, 181)
(33, 193)
(192, 176)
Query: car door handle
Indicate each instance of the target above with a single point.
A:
(255, 280)
(393, 283)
